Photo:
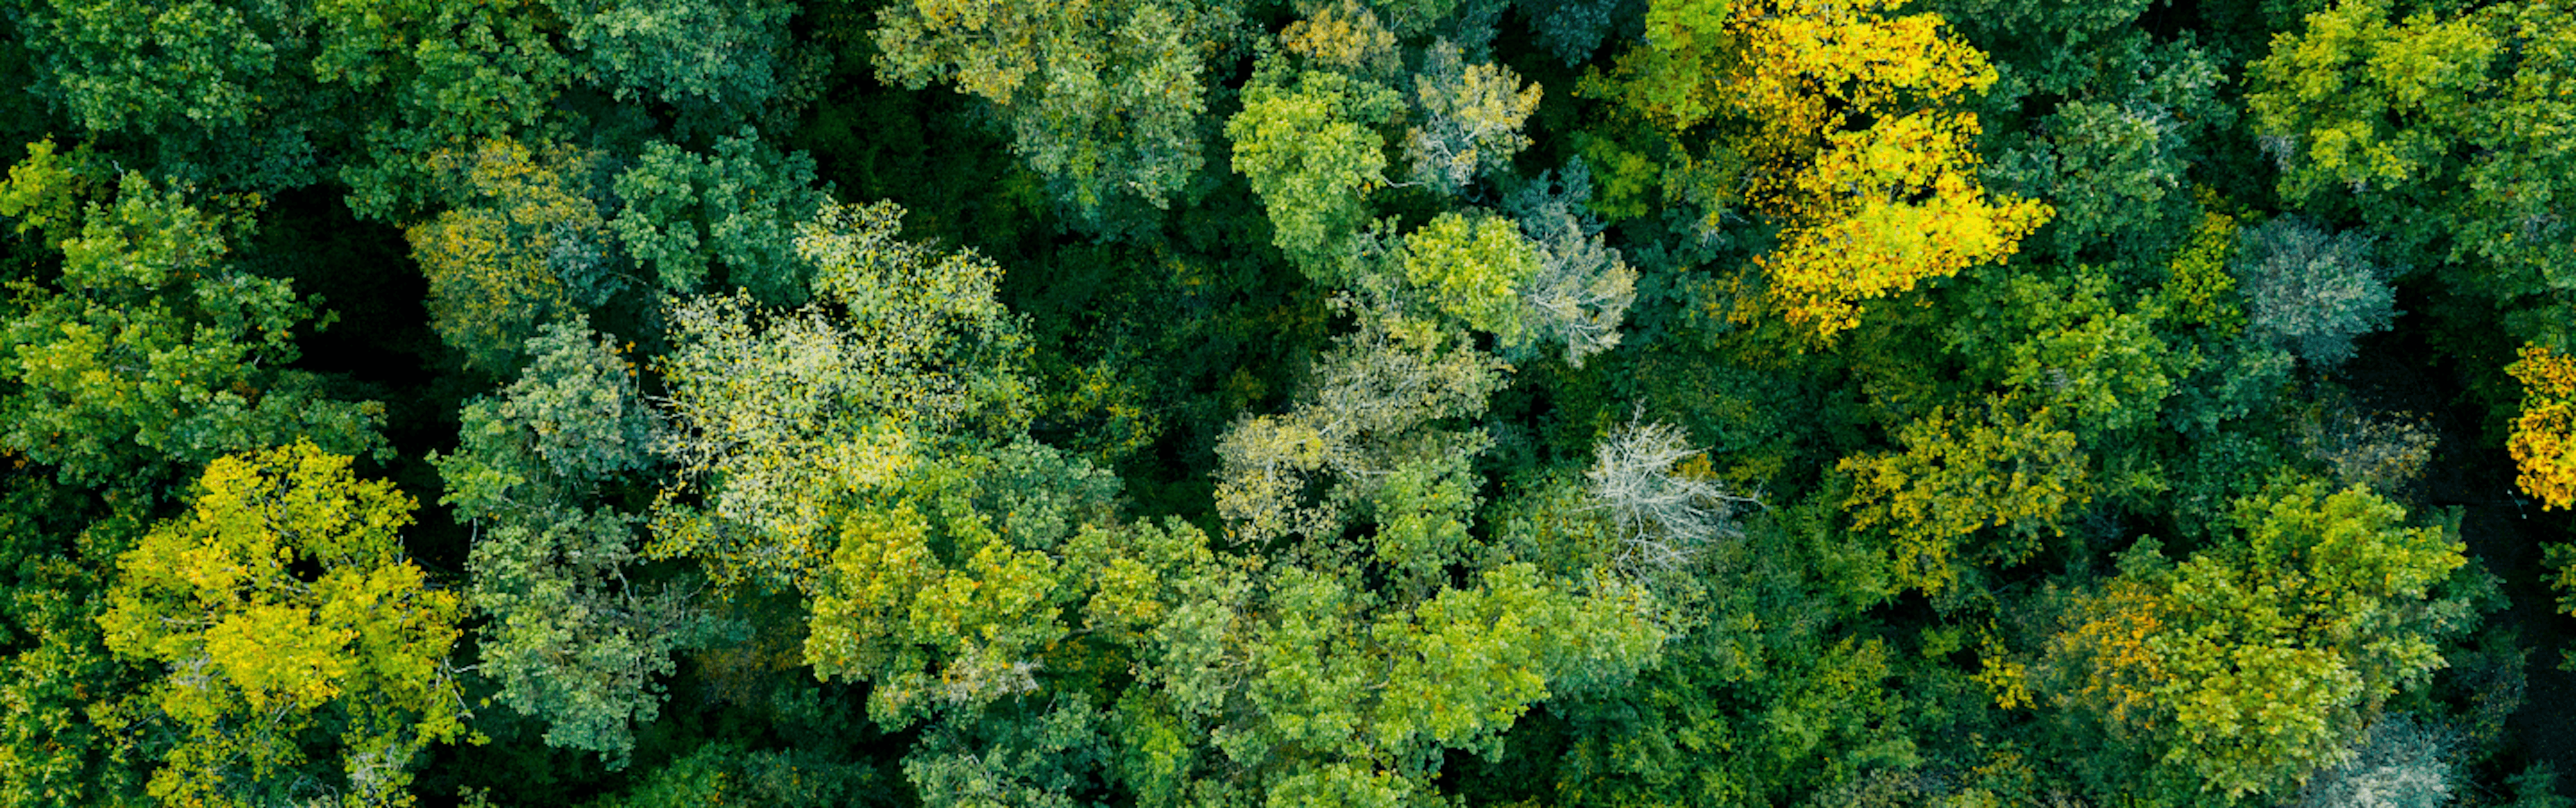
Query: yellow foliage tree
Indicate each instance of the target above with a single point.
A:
(284, 611)
(1881, 210)
(1842, 123)
(2544, 437)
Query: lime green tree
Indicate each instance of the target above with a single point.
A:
(288, 625)
(1307, 142)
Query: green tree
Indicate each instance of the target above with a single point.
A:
(1306, 141)
(57, 677)
(2237, 672)
(737, 207)
(150, 353)
(1582, 288)
(210, 92)
(2431, 126)
(1103, 98)
(579, 633)
(521, 248)
(284, 612)
(441, 76)
(718, 63)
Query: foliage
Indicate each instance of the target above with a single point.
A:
(1304, 141)
(577, 635)
(1999, 465)
(2541, 446)
(2254, 662)
(738, 207)
(1629, 402)
(1472, 118)
(1582, 287)
(522, 245)
(729, 58)
(1841, 119)
(2310, 293)
(2563, 557)
(283, 610)
(1859, 231)
(2402, 764)
(1388, 379)
(452, 74)
(1472, 270)
(1101, 97)
(150, 353)
(776, 415)
(2436, 132)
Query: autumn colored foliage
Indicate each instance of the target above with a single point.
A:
(1220, 404)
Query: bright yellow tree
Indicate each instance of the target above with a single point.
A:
(2544, 437)
(1839, 123)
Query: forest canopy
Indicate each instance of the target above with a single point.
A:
(1287, 402)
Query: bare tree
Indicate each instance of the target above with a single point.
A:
(1664, 518)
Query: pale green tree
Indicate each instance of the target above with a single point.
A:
(578, 635)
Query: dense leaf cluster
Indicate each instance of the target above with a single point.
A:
(1286, 402)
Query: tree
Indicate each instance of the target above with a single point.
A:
(283, 611)
(1472, 270)
(2402, 764)
(2541, 444)
(57, 676)
(1840, 125)
(1362, 651)
(1664, 516)
(1101, 97)
(522, 246)
(1381, 384)
(738, 208)
(2001, 464)
(578, 632)
(1582, 288)
(445, 75)
(1574, 30)
(2112, 172)
(719, 62)
(2433, 126)
(779, 416)
(2242, 669)
(1305, 141)
(1471, 119)
(2310, 293)
(150, 353)
(213, 93)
